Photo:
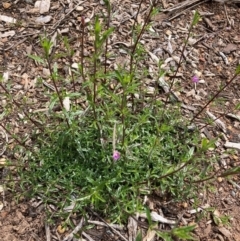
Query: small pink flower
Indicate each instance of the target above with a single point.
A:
(116, 155)
(195, 79)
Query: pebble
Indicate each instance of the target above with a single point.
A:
(79, 8)
(45, 19)
(220, 179)
(168, 32)
(233, 194)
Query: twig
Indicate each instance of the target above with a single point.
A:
(214, 97)
(48, 234)
(68, 13)
(183, 4)
(6, 140)
(187, 9)
(225, 10)
(20, 108)
(234, 184)
(114, 230)
(29, 51)
(87, 236)
(120, 227)
(76, 229)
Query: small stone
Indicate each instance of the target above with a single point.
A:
(233, 194)
(46, 72)
(43, 19)
(198, 73)
(185, 205)
(79, 8)
(192, 41)
(220, 179)
(75, 66)
(168, 32)
(2, 161)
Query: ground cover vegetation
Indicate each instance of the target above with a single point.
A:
(104, 143)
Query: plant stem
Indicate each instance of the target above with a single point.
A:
(19, 107)
(123, 104)
(178, 65)
(12, 135)
(82, 49)
(95, 86)
(141, 32)
(207, 124)
(72, 76)
(56, 88)
(106, 45)
(135, 20)
(138, 39)
(214, 97)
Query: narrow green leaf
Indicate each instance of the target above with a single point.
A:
(97, 29)
(166, 236)
(237, 107)
(237, 70)
(184, 232)
(148, 216)
(107, 2)
(36, 58)
(139, 237)
(196, 18)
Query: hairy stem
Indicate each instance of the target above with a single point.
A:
(214, 97)
(20, 108)
(56, 88)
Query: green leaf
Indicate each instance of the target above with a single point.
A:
(46, 45)
(139, 237)
(184, 232)
(237, 107)
(237, 70)
(196, 18)
(206, 144)
(36, 58)
(107, 2)
(189, 154)
(166, 236)
(148, 216)
(97, 30)
(53, 102)
(105, 36)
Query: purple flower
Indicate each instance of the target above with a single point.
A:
(116, 155)
(195, 79)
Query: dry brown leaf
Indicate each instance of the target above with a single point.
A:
(61, 229)
(225, 232)
(6, 5)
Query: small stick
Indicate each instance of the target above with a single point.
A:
(48, 234)
(76, 229)
(120, 227)
(87, 236)
(114, 230)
